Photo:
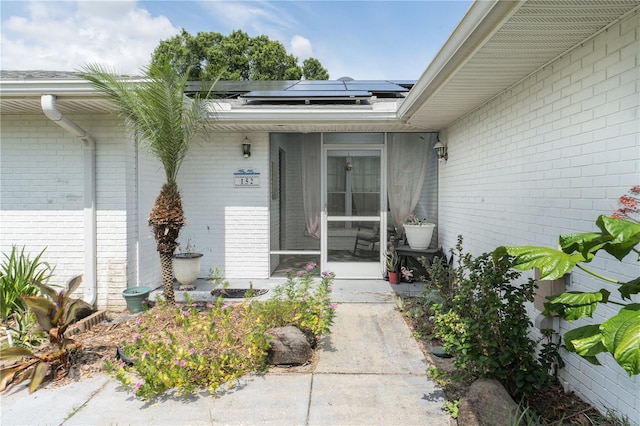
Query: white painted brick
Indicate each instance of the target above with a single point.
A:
(570, 164)
(42, 193)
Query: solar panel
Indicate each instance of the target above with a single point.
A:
(306, 94)
(304, 89)
(377, 87)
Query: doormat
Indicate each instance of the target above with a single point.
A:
(237, 293)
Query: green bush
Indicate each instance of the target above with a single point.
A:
(485, 324)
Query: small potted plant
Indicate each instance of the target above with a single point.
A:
(418, 232)
(186, 267)
(392, 263)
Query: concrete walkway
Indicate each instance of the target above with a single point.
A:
(370, 371)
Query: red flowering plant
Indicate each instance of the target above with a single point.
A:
(629, 205)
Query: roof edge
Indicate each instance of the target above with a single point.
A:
(476, 27)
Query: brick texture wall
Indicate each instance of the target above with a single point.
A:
(42, 197)
(229, 225)
(546, 157)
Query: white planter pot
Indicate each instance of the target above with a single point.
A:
(186, 268)
(419, 236)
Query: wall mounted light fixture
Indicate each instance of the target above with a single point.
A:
(441, 150)
(246, 147)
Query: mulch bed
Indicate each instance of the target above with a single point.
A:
(237, 293)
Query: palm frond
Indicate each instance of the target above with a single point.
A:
(156, 107)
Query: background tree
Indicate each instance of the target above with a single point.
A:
(209, 56)
(312, 70)
(167, 122)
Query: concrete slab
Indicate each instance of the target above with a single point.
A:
(370, 338)
(345, 291)
(265, 399)
(48, 406)
(347, 399)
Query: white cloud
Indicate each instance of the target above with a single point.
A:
(65, 36)
(300, 47)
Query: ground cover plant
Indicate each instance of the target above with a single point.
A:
(208, 346)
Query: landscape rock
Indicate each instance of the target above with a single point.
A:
(487, 402)
(289, 346)
(83, 310)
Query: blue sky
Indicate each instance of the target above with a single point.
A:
(359, 39)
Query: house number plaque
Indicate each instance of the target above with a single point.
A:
(246, 179)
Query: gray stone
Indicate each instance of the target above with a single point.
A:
(486, 403)
(83, 310)
(289, 346)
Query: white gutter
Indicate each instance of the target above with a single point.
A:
(48, 103)
(481, 20)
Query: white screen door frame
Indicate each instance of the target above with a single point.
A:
(349, 267)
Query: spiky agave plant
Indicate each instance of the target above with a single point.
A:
(167, 121)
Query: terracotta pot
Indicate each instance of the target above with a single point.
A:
(394, 277)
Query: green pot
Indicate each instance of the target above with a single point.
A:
(134, 296)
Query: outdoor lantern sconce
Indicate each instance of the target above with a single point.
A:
(441, 150)
(246, 147)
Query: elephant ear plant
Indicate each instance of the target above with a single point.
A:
(620, 334)
(55, 312)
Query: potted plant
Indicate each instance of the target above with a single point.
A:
(392, 263)
(135, 297)
(186, 267)
(418, 232)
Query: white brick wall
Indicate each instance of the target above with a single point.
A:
(42, 197)
(229, 225)
(547, 157)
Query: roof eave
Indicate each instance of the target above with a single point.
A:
(481, 20)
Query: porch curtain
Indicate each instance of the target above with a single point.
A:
(406, 172)
(310, 150)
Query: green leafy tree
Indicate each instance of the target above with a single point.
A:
(620, 334)
(312, 70)
(167, 122)
(208, 56)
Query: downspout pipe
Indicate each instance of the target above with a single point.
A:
(48, 104)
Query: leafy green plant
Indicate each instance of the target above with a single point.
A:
(452, 408)
(18, 275)
(392, 262)
(191, 347)
(300, 302)
(620, 334)
(54, 313)
(486, 325)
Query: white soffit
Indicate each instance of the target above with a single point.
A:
(537, 32)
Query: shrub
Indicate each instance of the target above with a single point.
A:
(485, 325)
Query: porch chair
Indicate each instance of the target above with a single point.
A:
(366, 240)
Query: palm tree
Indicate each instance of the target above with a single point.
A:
(167, 121)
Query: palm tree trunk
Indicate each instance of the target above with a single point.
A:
(166, 220)
(166, 263)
